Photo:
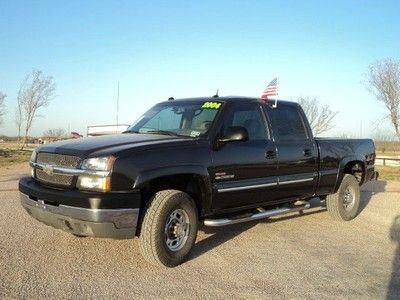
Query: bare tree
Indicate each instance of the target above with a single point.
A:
(320, 116)
(37, 90)
(54, 134)
(2, 107)
(19, 116)
(383, 80)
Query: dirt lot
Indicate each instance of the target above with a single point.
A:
(293, 256)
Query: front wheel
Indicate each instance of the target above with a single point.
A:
(169, 228)
(344, 204)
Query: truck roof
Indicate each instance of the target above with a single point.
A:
(231, 99)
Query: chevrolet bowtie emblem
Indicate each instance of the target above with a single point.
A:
(48, 169)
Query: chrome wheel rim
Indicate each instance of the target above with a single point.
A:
(177, 230)
(349, 197)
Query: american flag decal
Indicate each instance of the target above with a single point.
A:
(272, 89)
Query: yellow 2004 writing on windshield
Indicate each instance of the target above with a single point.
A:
(212, 105)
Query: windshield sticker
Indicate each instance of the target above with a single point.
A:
(195, 133)
(211, 105)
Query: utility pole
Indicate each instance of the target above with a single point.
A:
(117, 104)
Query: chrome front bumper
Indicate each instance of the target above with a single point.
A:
(105, 223)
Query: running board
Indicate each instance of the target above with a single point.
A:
(262, 214)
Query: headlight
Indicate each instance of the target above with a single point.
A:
(96, 182)
(33, 156)
(33, 159)
(98, 163)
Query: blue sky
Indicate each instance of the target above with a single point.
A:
(158, 49)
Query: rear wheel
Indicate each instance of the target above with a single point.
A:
(169, 228)
(344, 204)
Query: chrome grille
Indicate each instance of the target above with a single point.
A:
(54, 159)
(60, 160)
(54, 178)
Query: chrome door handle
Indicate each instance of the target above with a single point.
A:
(307, 152)
(270, 154)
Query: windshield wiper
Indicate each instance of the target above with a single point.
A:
(130, 131)
(164, 132)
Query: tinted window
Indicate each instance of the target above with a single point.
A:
(248, 116)
(287, 123)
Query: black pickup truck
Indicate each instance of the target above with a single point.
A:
(218, 160)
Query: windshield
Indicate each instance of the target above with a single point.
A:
(191, 119)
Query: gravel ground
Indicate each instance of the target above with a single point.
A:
(292, 256)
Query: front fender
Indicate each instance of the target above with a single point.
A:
(201, 174)
(148, 175)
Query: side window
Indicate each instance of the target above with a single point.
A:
(248, 116)
(287, 124)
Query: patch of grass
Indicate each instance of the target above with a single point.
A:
(388, 148)
(10, 157)
(388, 154)
(388, 173)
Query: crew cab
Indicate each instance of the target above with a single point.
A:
(217, 160)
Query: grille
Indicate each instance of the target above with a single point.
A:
(54, 179)
(59, 160)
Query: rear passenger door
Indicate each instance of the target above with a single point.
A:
(297, 151)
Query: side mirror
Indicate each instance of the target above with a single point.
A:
(235, 134)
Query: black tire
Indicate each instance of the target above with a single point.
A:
(344, 204)
(158, 229)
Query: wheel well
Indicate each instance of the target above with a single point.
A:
(357, 169)
(192, 184)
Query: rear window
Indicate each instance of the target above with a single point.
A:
(287, 124)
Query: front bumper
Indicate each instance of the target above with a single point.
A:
(118, 223)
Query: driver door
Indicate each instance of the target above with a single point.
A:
(244, 172)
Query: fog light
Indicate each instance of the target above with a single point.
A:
(101, 184)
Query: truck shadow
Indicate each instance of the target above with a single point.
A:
(394, 285)
(368, 190)
(220, 235)
(223, 234)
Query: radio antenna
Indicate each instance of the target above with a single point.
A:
(216, 94)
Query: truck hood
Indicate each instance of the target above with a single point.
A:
(107, 145)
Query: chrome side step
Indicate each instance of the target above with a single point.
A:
(262, 214)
